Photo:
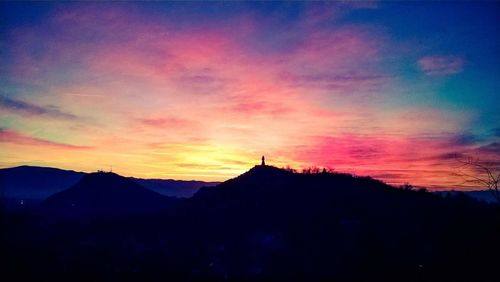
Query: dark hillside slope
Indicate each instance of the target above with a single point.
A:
(105, 194)
(338, 226)
(267, 224)
(272, 192)
(30, 182)
(173, 188)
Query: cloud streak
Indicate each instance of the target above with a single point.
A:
(14, 137)
(441, 65)
(30, 110)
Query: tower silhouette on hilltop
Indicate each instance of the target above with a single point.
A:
(263, 161)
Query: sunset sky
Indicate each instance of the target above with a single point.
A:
(190, 90)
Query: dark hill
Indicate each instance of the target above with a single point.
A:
(105, 194)
(267, 224)
(272, 197)
(32, 185)
(329, 226)
(273, 191)
(32, 182)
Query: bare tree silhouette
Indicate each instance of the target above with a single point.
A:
(484, 173)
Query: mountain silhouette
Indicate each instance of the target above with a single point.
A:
(329, 226)
(270, 190)
(173, 188)
(31, 182)
(267, 224)
(105, 194)
(32, 185)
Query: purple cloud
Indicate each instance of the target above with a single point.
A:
(464, 139)
(28, 109)
(441, 65)
(343, 82)
(492, 148)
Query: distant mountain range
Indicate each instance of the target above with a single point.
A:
(479, 195)
(267, 224)
(32, 184)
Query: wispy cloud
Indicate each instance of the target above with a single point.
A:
(29, 109)
(15, 137)
(441, 65)
(341, 83)
(465, 139)
(166, 122)
(491, 149)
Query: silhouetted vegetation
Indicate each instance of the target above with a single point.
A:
(484, 173)
(266, 224)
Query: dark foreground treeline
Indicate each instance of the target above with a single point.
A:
(267, 224)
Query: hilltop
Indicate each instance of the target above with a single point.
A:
(105, 194)
(266, 224)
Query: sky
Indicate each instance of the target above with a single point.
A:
(201, 90)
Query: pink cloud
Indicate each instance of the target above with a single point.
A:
(441, 65)
(422, 161)
(167, 123)
(340, 83)
(12, 136)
